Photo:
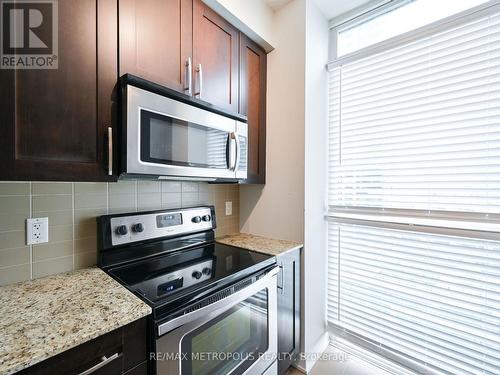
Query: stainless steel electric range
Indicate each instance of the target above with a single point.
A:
(214, 306)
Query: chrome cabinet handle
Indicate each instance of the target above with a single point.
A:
(281, 280)
(104, 361)
(199, 70)
(110, 151)
(188, 79)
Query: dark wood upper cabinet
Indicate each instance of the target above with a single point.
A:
(156, 40)
(215, 50)
(55, 122)
(252, 95)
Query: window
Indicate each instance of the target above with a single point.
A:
(394, 20)
(414, 199)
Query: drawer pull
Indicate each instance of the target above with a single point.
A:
(104, 361)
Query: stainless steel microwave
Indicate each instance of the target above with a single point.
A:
(168, 135)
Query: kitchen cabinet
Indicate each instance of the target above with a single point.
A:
(253, 76)
(181, 44)
(215, 58)
(288, 308)
(55, 121)
(155, 40)
(122, 351)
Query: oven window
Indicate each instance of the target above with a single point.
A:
(166, 140)
(230, 343)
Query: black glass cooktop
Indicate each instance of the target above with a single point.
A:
(162, 279)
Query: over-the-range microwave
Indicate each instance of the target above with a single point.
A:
(169, 135)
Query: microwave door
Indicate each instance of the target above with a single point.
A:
(175, 139)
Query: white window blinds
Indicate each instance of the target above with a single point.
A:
(434, 298)
(418, 127)
(414, 131)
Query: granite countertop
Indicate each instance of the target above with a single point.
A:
(259, 244)
(47, 316)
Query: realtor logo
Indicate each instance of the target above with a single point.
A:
(29, 34)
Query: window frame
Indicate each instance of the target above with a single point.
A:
(380, 7)
(461, 224)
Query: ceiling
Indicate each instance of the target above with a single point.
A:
(277, 4)
(330, 8)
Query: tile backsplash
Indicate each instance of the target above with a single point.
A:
(72, 209)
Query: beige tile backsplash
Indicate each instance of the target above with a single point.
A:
(72, 209)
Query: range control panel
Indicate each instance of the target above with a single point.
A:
(148, 226)
(185, 277)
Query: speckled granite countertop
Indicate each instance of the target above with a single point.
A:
(259, 244)
(47, 316)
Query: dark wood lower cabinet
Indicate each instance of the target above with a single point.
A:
(122, 351)
(288, 309)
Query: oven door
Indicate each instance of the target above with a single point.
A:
(166, 137)
(235, 335)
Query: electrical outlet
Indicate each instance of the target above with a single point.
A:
(37, 230)
(229, 208)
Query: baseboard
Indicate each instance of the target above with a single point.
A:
(307, 363)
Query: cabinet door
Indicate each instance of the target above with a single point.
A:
(54, 122)
(253, 74)
(156, 40)
(215, 50)
(288, 308)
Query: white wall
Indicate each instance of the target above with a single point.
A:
(277, 208)
(314, 334)
(253, 17)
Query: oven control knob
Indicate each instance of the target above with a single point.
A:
(122, 230)
(196, 219)
(206, 271)
(206, 218)
(138, 228)
(196, 275)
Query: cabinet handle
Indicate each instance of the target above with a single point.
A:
(199, 70)
(189, 77)
(281, 280)
(104, 361)
(110, 151)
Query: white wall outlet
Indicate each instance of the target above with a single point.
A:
(37, 230)
(229, 208)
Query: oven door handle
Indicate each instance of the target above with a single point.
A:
(222, 304)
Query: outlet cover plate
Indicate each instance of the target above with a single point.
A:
(37, 230)
(229, 208)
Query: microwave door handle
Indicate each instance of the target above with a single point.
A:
(232, 151)
(229, 151)
(237, 152)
